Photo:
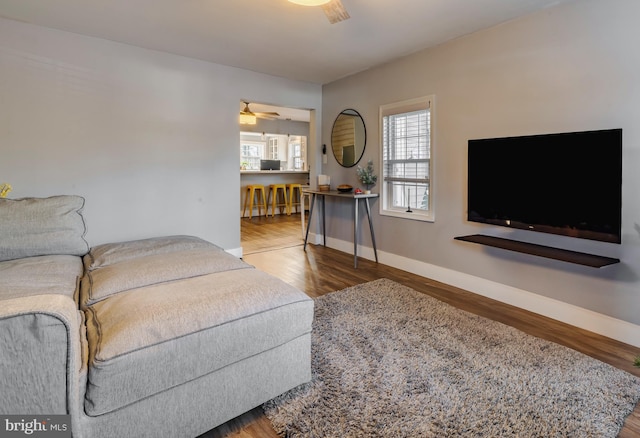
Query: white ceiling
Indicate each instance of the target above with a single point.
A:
(274, 36)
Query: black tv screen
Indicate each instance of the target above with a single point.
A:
(568, 184)
(269, 164)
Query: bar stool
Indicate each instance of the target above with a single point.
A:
(274, 192)
(305, 199)
(254, 190)
(294, 199)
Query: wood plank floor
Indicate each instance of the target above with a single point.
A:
(321, 270)
(265, 233)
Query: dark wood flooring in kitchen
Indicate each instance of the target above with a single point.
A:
(320, 270)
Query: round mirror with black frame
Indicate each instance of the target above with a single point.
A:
(348, 138)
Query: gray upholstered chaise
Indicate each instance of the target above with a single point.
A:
(160, 337)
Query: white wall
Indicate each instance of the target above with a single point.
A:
(148, 138)
(569, 68)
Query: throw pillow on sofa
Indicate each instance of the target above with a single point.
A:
(42, 226)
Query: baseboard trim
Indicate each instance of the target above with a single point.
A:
(586, 319)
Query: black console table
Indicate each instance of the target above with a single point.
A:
(580, 258)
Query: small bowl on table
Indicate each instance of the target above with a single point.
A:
(344, 188)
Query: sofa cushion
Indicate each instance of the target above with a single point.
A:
(115, 268)
(55, 274)
(147, 340)
(107, 254)
(42, 226)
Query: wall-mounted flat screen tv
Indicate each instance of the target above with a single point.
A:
(568, 183)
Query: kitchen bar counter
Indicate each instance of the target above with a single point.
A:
(267, 177)
(274, 172)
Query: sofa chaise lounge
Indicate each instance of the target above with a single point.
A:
(162, 337)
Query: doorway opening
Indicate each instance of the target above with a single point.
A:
(272, 151)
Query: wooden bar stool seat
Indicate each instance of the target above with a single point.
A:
(255, 192)
(278, 198)
(294, 197)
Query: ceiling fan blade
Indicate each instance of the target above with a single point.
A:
(267, 116)
(335, 11)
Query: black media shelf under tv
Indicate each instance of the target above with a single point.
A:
(580, 258)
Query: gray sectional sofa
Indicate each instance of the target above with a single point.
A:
(163, 337)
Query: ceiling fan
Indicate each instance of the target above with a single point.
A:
(248, 117)
(333, 9)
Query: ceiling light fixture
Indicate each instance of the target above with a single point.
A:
(247, 119)
(333, 9)
(310, 2)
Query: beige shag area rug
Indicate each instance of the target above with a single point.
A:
(391, 362)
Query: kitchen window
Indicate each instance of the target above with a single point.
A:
(290, 150)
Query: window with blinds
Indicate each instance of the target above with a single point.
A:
(407, 159)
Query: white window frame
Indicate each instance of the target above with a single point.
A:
(407, 106)
(274, 146)
(252, 160)
(296, 160)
